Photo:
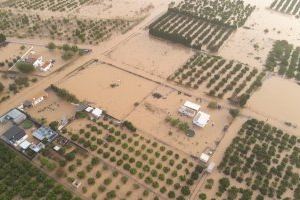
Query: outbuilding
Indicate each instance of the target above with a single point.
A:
(204, 157)
(16, 116)
(25, 145)
(189, 109)
(14, 135)
(201, 119)
(97, 112)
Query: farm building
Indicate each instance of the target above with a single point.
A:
(89, 109)
(45, 133)
(201, 119)
(211, 167)
(25, 145)
(204, 157)
(38, 62)
(37, 147)
(16, 116)
(36, 100)
(14, 135)
(189, 109)
(97, 112)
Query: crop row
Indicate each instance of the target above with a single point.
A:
(67, 29)
(219, 76)
(287, 6)
(266, 159)
(284, 59)
(52, 5)
(160, 168)
(190, 31)
(231, 13)
(21, 180)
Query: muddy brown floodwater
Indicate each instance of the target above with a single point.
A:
(278, 98)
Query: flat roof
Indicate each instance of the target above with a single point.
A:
(192, 105)
(97, 112)
(14, 134)
(25, 144)
(89, 109)
(201, 119)
(45, 132)
(204, 157)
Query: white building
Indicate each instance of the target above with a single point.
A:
(201, 119)
(25, 145)
(189, 109)
(89, 109)
(204, 157)
(97, 112)
(39, 63)
(211, 167)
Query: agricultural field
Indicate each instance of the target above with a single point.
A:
(263, 159)
(291, 7)
(54, 6)
(164, 171)
(284, 58)
(156, 112)
(90, 176)
(13, 84)
(197, 23)
(21, 180)
(66, 29)
(219, 77)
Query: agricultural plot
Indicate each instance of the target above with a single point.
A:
(220, 77)
(87, 174)
(197, 23)
(21, 180)
(66, 29)
(291, 7)
(51, 5)
(160, 169)
(284, 59)
(265, 160)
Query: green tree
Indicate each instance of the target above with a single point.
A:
(25, 67)
(223, 184)
(51, 46)
(2, 38)
(1, 87)
(234, 112)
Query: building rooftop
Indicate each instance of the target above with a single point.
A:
(16, 115)
(97, 112)
(14, 134)
(45, 133)
(201, 119)
(192, 105)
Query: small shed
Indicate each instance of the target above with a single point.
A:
(89, 109)
(56, 148)
(189, 109)
(192, 105)
(204, 157)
